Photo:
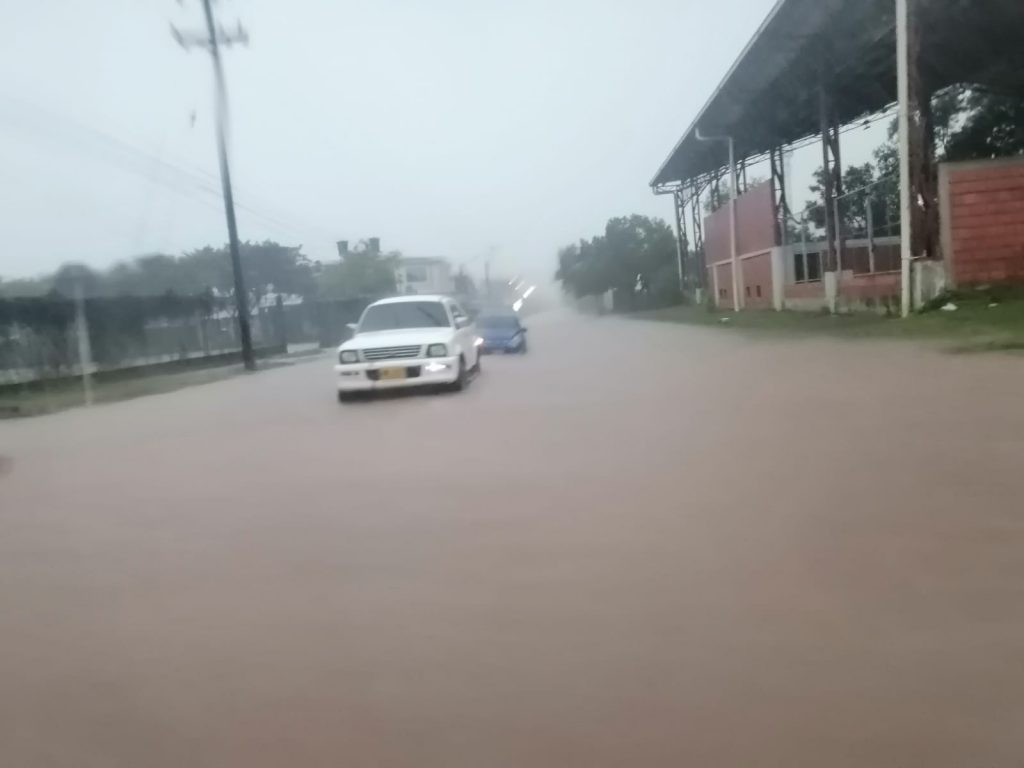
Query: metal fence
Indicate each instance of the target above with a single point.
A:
(49, 337)
(867, 238)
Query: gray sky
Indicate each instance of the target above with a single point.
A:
(448, 127)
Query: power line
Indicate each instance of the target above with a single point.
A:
(179, 177)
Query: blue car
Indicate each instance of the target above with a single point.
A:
(502, 333)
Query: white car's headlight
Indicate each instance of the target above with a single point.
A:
(437, 350)
(348, 356)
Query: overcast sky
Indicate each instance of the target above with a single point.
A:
(446, 127)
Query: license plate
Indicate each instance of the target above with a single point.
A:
(391, 374)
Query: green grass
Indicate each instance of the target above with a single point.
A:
(65, 395)
(974, 327)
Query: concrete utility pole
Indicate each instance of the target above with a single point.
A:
(903, 49)
(84, 347)
(212, 40)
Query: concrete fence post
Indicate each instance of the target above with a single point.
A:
(778, 278)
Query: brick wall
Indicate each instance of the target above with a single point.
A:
(815, 290)
(757, 281)
(755, 225)
(721, 282)
(870, 289)
(984, 229)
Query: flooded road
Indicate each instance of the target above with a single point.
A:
(639, 545)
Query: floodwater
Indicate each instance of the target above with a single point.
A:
(639, 545)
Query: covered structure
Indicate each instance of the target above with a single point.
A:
(816, 65)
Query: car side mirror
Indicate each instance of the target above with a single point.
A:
(352, 327)
(462, 322)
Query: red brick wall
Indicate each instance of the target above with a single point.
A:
(877, 286)
(756, 272)
(755, 225)
(853, 288)
(805, 290)
(986, 210)
(723, 274)
(757, 275)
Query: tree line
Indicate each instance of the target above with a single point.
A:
(268, 268)
(635, 258)
(967, 123)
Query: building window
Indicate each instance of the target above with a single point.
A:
(748, 291)
(416, 274)
(721, 293)
(806, 267)
(759, 291)
(813, 267)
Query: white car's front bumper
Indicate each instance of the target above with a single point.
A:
(420, 372)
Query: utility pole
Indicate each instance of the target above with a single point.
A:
(904, 49)
(211, 41)
(84, 347)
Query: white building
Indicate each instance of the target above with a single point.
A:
(427, 275)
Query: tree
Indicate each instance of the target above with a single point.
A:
(635, 257)
(860, 190)
(985, 125)
(968, 124)
(464, 285)
(157, 273)
(268, 267)
(26, 286)
(364, 272)
(71, 278)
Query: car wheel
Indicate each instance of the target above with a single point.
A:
(478, 367)
(522, 348)
(345, 397)
(460, 383)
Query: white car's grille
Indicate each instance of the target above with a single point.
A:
(391, 353)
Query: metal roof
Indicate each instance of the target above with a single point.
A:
(769, 98)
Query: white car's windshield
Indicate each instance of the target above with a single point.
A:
(405, 314)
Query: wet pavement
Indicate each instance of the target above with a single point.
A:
(639, 545)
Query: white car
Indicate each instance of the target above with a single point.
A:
(409, 341)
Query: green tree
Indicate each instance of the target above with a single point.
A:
(267, 267)
(968, 124)
(26, 286)
(464, 285)
(157, 273)
(635, 258)
(861, 189)
(72, 277)
(363, 273)
(984, 125)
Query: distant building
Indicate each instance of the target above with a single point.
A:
(424, 275)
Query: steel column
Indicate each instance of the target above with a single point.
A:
(828, 180)
(696, 190)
